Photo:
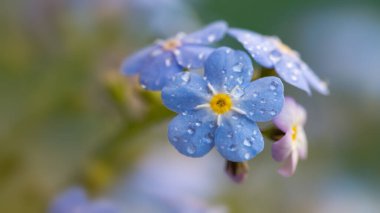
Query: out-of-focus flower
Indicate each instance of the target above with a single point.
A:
(222, 108)
(157, 63)
(76, 200)
(293, 145)
(165, 182)
(270, 52)
(155, 18)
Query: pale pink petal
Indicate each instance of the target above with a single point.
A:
(287, 116)
(282, 148)
(289, 166)
(302, 144)
(301, 115)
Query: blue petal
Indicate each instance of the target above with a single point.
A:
(314, 81)
(260, 47)
(158, 70)
(192, 133)
(290, 69)
(211, 33)
(225, 69)
(136, 62)
(238, 139)
(193, 56)
(101, 207)
(263, 99)
(185, 92)
(69, 200)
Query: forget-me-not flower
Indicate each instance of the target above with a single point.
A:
(222, 108)
(75, 200)
(293, 145)
(270, 52)
(157, 63)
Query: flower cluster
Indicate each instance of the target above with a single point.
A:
(221, 107)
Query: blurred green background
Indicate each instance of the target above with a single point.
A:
(64, 105)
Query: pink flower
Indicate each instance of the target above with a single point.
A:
(293, 145)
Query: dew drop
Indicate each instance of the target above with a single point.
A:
(247, 156)
(229, 135)
(235, 117)
(273, 113)
(232, 147)
(198, 123)
(211, 38)
(237, 92)
(262, 101)
(201, 55)
(247, 143)
(275, 56)
(168, 62)
(238, 67)
(294, 78)
(254, 132)
(255, 94)
(239, 80)
(190, 131)
(191, 149)
(185, 77)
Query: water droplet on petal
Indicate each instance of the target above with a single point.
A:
(185, 77)
(191, 149)
(232, 147)
(247, 142)
(237, 92)
(168, 62)
(273, 113)
(211, 38)
(294, 78)
(190, 131)
(201, 56)
(262, 101)
(255, 94)
(229, 135)
(197, 123)
(247, 156)
(275, 56)
(238, 67)
(254, 132)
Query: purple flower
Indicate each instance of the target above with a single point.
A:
(157, 63)
(294, 144)
(75, 200)
(270, 52)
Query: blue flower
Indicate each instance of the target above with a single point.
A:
(222, 108)
(75, 200)
(157, 63)
(270, 52)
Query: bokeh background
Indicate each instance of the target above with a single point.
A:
(67, 116)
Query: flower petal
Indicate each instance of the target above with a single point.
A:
(261, 48)
(158, 70)
(238, 139)
(185, 92)
(100, 207)
(225, 69)
(315, 82)
(134, 64)
(193, 56)
(192, 133)
(290, 69)
(69, 200)
(287, 116)
(282, 148)
(302, 143)
(211, 33)
(289, 166)
(263, 99)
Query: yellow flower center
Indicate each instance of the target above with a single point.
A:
(171, 44)
(294, 133)
(221, 103)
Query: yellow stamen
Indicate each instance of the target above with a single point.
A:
(221, 103)
(294, 133)
(171, 44)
